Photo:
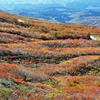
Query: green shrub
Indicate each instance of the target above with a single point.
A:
(48, 82)
(5, 93)
(25, 89)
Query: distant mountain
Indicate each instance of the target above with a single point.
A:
(63, 11)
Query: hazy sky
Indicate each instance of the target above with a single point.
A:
(43, 1)
(63, 2)
(36, 1)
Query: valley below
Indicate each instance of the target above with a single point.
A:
(72, 12)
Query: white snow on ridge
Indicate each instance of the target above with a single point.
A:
(94, 37)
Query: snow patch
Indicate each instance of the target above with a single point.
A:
(94, 37)
(21, 21)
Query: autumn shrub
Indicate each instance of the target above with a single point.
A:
(31, 75)
(8, 83)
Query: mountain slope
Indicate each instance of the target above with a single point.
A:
(40, 60)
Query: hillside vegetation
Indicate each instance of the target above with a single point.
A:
(41, 60)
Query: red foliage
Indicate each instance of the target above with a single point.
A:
(34, 99)
(30, 99)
